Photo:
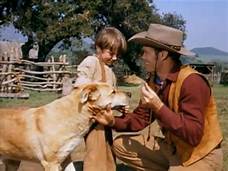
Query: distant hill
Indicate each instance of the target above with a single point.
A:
(211, 54)
(209, 51)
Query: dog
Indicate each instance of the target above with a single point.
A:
(48, 134)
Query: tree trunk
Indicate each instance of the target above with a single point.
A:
(26, 47)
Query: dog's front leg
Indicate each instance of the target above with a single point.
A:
(11, 165)
(50, 166)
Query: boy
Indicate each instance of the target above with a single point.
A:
(109, 44)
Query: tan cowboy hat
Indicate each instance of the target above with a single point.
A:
(163, 37)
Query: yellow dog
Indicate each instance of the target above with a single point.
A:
(49, 133)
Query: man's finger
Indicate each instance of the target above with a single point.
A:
(147, 87)
(150, 89)
(145, 91)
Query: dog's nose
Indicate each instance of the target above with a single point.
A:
(128, 93)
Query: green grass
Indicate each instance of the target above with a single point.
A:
(221, 95)
(220, 92)
(35, 99)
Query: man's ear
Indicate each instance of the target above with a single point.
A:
(89, 93)
(163, 55)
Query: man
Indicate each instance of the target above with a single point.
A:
(183, 105)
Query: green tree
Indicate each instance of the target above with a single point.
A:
(50, 21)
(176, 21)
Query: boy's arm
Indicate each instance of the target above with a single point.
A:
(130, 122)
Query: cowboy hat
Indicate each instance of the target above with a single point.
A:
(164, 37)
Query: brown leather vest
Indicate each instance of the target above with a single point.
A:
(212, 134)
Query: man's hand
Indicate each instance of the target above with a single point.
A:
(150, 99)
(102, 116)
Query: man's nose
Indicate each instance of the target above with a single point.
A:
(142, 56)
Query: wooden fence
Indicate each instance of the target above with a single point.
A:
(15, 76)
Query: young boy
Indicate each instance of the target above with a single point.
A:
(109, 44)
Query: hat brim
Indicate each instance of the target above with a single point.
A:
(143, 40)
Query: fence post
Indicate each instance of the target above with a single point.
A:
(54, 74)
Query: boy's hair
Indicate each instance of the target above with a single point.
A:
(112, 39)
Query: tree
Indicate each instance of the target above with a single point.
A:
(50, 21)
(174, 20)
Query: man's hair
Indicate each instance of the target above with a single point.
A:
(112, 39)
(174, 56)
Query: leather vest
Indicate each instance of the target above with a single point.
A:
(212, 134)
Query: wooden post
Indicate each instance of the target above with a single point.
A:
(213, 74)
(54, 74)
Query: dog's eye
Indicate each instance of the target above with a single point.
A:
(113, 91)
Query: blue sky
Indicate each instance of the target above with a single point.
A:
(12, 34)
(206, 21)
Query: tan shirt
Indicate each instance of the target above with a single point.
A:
(89, 70)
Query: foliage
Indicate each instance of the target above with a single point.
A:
(174, 20)
(221, 97)
(50, 21)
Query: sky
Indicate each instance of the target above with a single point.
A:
(12, 34)
(206, 21)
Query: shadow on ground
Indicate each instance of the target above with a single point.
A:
(120, 167)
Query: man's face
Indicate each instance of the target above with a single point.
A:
(149, 58)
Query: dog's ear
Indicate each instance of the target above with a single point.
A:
(89, 93)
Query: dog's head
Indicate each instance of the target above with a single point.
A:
(102, 95)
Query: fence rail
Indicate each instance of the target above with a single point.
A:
(15, 76)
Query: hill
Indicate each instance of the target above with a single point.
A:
(209, 54)
(209, 51)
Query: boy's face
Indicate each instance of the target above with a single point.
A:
(107, 56)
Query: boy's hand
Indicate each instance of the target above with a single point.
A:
(102, 116)
(150, 99)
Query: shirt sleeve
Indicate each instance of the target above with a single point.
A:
(85, 71)
(132, 122)
(189, 123)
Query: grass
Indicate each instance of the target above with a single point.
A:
(221, 95)
(220, 92)
(35, 99)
